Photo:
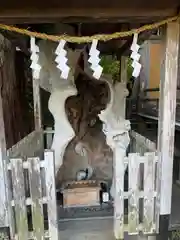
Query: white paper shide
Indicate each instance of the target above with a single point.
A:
(61, 59)
(36, 68)
(135, 56)
(94, 60)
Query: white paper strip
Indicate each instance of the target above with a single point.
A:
(60, 47)
(93, 47)
(135, 38)
(97, 72)
(94, 60)
(135, 56)
(65, 73)
(135, 47)
(136, 70)
(36, 68)
(61, 59)
(34, 47)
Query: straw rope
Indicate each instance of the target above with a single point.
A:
(86, 39)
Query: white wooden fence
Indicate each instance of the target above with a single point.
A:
(141, 196)
(19, 226)
(31, 145)
(49, 133)
(141, 144)
(26, 191)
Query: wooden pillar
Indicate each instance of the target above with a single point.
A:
(37, 105)
(166, 128)
(3, 182)
(123, 76)
(124, 65)
(37, 114)
(6, 216)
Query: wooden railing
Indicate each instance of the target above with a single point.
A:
(141, 185)
(48, 137)
(149, 106)
(33, 144)
(141, 144)
(144, 99)
(20, 225)
(30, 146)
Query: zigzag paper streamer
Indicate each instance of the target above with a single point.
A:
(61, 59)
(36, 68)
(94, 60)
(135, 56)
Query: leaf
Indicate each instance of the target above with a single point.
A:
(111, 66)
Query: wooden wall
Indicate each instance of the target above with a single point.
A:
(154, 67)
(151, 55)
(151, 59)
(16, 91)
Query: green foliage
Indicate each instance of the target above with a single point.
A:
(4, 236)
(129, 69)
(175, 235)
(111, 66)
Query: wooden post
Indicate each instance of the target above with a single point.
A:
(37, 105)
(6, 216)
(3, 182)
(123, 76)
(124, 62)
(49, 137)
(37, 112)
(166, 128)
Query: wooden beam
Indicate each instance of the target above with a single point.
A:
(124, 50)
(84, 14)
(166, 128)
(77, 4)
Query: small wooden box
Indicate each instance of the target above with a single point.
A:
(85, 193)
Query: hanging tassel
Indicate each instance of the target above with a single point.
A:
(36, 68)
(61, 59)
(94, 60)
(135, 56)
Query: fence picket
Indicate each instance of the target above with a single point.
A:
(149, 186)
(19, 198)
(141, 144)
(133, 204)
(119, 198)
(36, 195)
(51, 195)
(49, 137)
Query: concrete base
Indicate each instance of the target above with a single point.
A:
(92, 229)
